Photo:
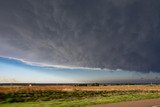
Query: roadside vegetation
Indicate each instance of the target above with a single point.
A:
(74, 98)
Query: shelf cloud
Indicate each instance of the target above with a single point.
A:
(106, 34)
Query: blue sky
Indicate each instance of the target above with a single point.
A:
(13, 70)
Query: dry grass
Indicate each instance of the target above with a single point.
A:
(73, 96)
(82, 88)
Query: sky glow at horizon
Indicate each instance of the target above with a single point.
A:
(19, 72)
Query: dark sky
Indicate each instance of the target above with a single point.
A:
(113, 34)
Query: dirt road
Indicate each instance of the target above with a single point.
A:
(143, 103)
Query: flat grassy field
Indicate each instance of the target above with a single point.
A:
(73, 96)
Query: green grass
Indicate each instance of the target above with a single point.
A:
(71, 98)
(83, 102)
(36, 96)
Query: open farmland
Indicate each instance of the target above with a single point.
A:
(74, 96)
(80, 88)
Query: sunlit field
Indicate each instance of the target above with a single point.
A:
(5, 89)
(74, 96)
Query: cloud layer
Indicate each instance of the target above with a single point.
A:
(113, 34)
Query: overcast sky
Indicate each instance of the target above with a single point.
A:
(93, 34)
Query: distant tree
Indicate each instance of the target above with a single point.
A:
(95, 84)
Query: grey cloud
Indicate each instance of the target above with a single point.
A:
(114, 34)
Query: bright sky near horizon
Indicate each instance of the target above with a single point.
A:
(17, 71)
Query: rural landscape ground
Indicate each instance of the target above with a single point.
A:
(74, 96)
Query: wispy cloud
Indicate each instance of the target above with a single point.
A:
(8, 80)
(58, 66)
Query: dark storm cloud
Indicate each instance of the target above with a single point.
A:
(114, 34)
